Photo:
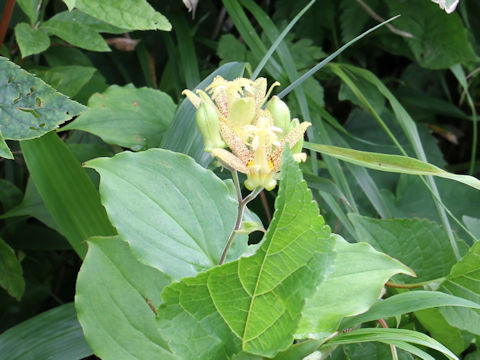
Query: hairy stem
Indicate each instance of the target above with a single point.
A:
(393, 349)
(242, 203)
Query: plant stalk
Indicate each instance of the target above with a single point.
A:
(242, 203)
(7, 14)
(393, 349)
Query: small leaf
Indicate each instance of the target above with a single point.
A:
(463, 281)
(31, 8)
(176, 215)
(30, 108)
(127, 116)
(391, 163)
(129, 15)
(69, 79)
(421, 244)
(31, 41)
(11, 273)
(75, 33)
(356, 282)
(113, 299)
(54, 334)
(253, 303)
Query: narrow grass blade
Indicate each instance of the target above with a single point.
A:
(329, 58)
(277, 42)
(457, 70)
(186, 48)
(66, 189)
(391, 163)
(54, 334)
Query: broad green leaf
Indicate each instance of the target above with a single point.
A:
(55, 171)
(54, 334)
(112, 300)
(79, 17)
(30, 108)
(253, 304)
(434, 322)
(407, 302)
(70, 4)
(11, 273)
(418, 243)
(176, 215)
(439, 40)
(473, 224)
(356, 282)
(69, 79)
(183, 135)
(129, 15)
(75, 33)
(463, 281)
(30, 8)
(31, 41)
(391, 163)
(397, 337)
(136, 118)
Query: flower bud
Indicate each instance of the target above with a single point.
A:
(207, 121)
(280, 113)
(297, 148)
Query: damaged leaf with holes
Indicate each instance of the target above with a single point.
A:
(29, 107)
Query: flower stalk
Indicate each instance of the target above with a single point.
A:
(242, 204)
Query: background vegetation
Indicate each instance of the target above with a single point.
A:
(134, 64)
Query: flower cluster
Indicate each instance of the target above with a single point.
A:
(232, 114)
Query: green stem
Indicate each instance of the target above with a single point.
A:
(475, 134)
(413, 285)
(242, 203)
(393, 349)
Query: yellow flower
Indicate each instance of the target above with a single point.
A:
(256, 137)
